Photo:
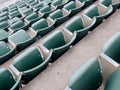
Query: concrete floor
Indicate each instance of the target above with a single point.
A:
(56, 76)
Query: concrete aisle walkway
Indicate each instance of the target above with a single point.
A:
(56, 76)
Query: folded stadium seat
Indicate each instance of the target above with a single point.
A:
(12, 6)
(24, 41)
(59, 3)
(2, 14)
(6, 52)
(23, 8)
(4, 25)
(22, 5)
(3, 35)
(46, 1)
(99, 11)
(5, 9)
(32, 4)
(38, 6)
(30, 1)
(19, 25)
(46, 10)
(81, 25)
(15, 14)
(59, 42)
(13, 20)
(110, 56)
(26, 12)
(33, 17)
(42, 26)
(13, 9)
(74, 7)
(59, 16)
(113, 82)
(4, 18)
(87, 2)
(8, 81)
(87, 77)
(31, 63)
(115, 3)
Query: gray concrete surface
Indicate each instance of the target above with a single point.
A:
(56, 76)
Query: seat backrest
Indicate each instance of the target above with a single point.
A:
(92, 11)
(70, 5)
(28, 11)
(88, 77)
(112, 47)
(28, 60)
(13, 20)
(17, 25)
(57, 2)
(4, 18)
(32, 16)
(16, 37)
(6, 79)
(106, 2)
(113, 82)
(42, 23)
(4, 48)
(45, 9)
(3, 24)
(56, 14)
(3, 14)
(3, 34)
(55, 40)
(38, 6)
(74, 24)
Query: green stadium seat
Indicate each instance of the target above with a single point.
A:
(32, 4)
(15, 14)
(30, 1)
(5, 9)
(6, 52)
(3, 14)
(99, 11)
(8, 81)
(81, 25)
(11, 6)
(115, 3)
(46, 10)
(13, 20)
(48, 2)
(19, 25)
(26, 12)
(87, 77)
(59, 42)
(43, 26)
(4, 25)
(87, 2)
(59, 16)
(22, 42)
(113, 82)
(74, 7)
(38, 6)
(112, 48)
(3, 35)
(31, 63)
(59, 3)
(13, 9)
(110, 56)
(33, 17)
(4, 18)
